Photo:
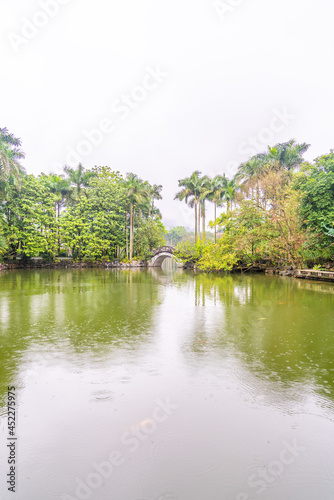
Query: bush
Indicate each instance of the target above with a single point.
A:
(188, 253)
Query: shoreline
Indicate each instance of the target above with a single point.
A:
(69, 264)
(283, 271)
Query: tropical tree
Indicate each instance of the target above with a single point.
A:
(231, 190)
(29, 222)
(3, 242)
(149, 236)
(203, 197)
(142, 210)
(136, 192)
(61, 188)
(250, 172)
(315, 182)
(155, 193)
(188, 253)
(10, 154)
(217, 193)
(92, 228)
(190, 193)
(285, 156)
(79, 178)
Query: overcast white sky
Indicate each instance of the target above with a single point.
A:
(229, 71)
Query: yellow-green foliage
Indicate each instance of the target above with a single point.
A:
(3, 242)
(187, 252)
(219, 256)
(252, 233)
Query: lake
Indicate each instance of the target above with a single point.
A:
(166, 385)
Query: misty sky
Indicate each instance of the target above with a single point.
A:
(163, 88)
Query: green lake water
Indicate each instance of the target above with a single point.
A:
(167, 385)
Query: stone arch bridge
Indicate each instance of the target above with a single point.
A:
(161, 254)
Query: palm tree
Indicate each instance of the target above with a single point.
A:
(286, 155)
(250, 173)
(137, 193)
(143, 209)
(217, 193)
(191, 190)
(231, 190)
(10, 154)
(155, 193)
(78, 177)
(61, 187)
(204, 195)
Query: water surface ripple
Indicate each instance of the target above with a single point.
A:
(166, 385)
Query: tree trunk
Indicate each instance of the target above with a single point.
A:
(126, 234)
(215, 203)
(79, 250)
(195, 221)
(131, 230)
(203, 217)
(58, 228)
(199, 221)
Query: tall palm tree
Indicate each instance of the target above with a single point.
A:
(155, 193)
(217, 193)
(136, 192)
(61, 187)
(286, 156)
(143, 209)
(79, 178)
(204, 195)
(10, 154)
(190, 193)
(250, 172)
(231, 191)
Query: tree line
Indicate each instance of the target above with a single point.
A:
(277, 208)
(86, 214)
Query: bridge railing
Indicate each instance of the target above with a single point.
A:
(164, 249)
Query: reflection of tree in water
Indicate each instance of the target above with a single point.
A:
(281, 329)
(51, 313)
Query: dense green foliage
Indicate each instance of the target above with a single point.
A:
(316, 183)
(93, 227)
(28, 215)
(10, 154)
(83, 214)
(189, 253)
(149, 236)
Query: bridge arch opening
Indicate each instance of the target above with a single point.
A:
(161, 254)
(160, 259)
